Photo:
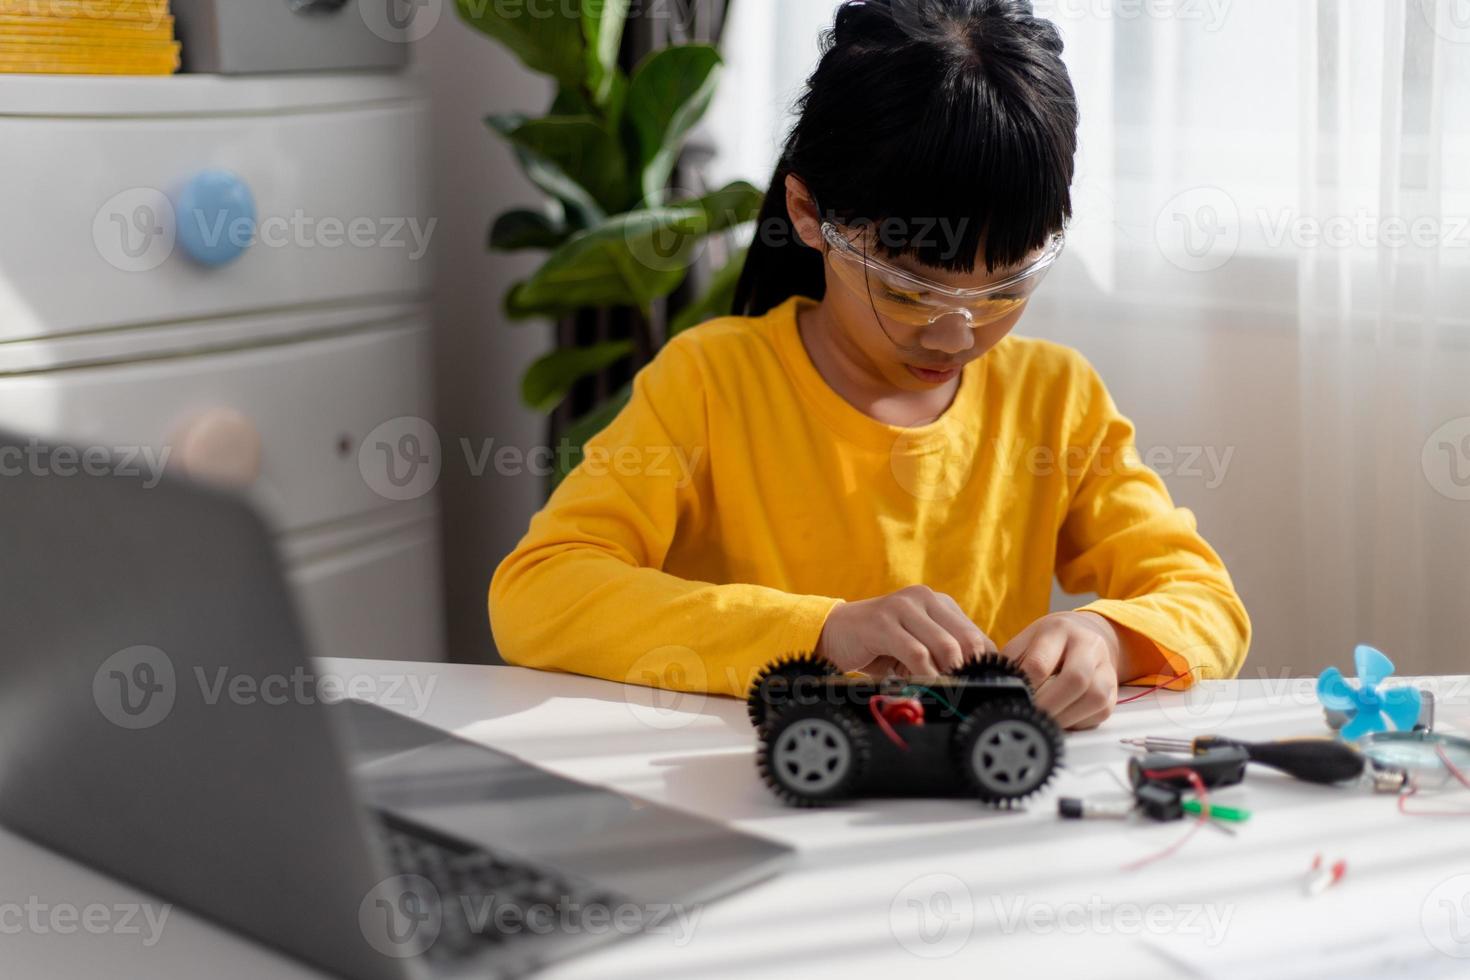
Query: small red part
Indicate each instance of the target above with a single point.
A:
(888, 712)
(903, 711)
(1320, 877)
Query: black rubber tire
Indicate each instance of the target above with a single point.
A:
(763, 697)
(846, 737)
(989, 666)
(1025, 749)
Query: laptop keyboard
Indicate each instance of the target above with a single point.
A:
(486, 899)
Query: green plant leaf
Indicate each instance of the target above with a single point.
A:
(582, 208)
(670, 92)
(718, 300)
(522, 229)
(582, 431)
(602, 29)
(734, 204)
(547, 382)
(549, 42)
(581, 149)
(617, 101)
(570, 102)
(574, 102)
(629, 260)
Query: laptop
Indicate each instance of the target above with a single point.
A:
(357, 840)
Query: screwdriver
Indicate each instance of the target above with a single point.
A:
(1312, 760)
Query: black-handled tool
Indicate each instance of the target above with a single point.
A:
(1312, 760)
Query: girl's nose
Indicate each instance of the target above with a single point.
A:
(951, 333)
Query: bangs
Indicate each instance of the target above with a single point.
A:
(987, 161)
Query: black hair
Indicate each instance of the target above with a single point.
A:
(958, 113)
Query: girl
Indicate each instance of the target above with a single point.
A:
(866, 463)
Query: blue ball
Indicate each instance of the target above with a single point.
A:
(216, 216)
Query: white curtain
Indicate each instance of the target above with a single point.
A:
(1270, 263)
(1385, 322)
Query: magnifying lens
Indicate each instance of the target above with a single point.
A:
(1418, 753)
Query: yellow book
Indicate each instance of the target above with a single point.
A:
(131, 11)
(37, 68)
(102, 51)
(15, 27)
(89, 37)
(79, 52)
(155, 60)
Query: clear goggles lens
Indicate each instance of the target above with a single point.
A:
(904, 297)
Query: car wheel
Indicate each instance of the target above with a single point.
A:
(1007, 750)
(771, 690)
(988, 667)
(811, 755)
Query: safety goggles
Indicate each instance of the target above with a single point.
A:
(910, 299)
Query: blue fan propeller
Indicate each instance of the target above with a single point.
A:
(1369, 709)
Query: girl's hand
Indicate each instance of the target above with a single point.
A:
(1072, 660)
(915, 632)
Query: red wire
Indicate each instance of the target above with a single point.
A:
(1204, 814)
(1414, 789)
(1455, 771)
(876, 706)
(1450, 765)
(1158, 687)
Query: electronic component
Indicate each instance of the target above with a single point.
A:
(1322, 876)
(1159, 801)
(1229, 814)
(1222, 766)
(1368, 708)
(1074, 808)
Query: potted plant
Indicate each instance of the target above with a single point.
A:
(619, 240)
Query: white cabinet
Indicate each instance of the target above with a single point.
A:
(267, 372)
(91, 222)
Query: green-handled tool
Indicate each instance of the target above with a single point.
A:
(1312, 760)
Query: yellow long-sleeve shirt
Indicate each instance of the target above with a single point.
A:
(737, 499)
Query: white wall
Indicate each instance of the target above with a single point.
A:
(479, 356)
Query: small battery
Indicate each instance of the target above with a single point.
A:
(1221, 766)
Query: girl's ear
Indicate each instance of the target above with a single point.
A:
(803, 210)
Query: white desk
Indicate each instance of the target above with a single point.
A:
(886, 889)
